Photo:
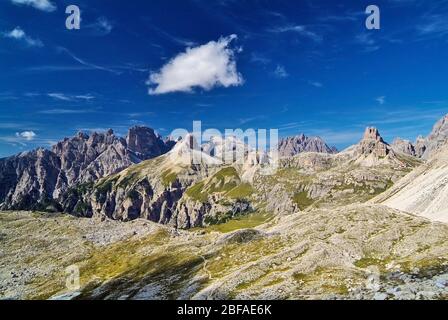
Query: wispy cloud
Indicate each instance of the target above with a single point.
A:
(20, 35)
(315, 84)
(140, 114)
(43, 5)
(8, 97)
(58, 111)
(59, 96)
(433, 26)
(53, 68)
(298, 29)
(367, 41)
(381, 100)
(280, 72)
(101, 27)
(88, 64)
(87, 97)
(243, 121)
(259, 58)
(174, 39)
(66, 97)
(11, 125)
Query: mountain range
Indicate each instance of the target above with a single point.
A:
(162, 227)
(145, 176)
(36, 179)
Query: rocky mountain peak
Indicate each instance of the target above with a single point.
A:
(44, 175)
(373, 144)
(437, 138)
(292, 146)
(82, 135)
(372, 133)
(143, 142)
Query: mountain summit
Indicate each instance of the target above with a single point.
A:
(437, 138)
(373, 144)
(292, 146)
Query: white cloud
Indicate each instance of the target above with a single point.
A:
(27, 135)
(280, 72)
(44, 5)
(207, 66)
(20, 35)
(381, 100)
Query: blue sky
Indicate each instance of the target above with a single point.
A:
(299, 66)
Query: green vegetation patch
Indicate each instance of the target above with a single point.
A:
(168, 178)
(302, 200)
(105, 186)
(195, 192)
(222, 182)
(251, 220)
(242, 191)
(368, 261)
(129, 179)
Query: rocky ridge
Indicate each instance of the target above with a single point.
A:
(39, 179)
(425, 147)
(292, 146)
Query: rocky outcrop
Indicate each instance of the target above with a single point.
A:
(373, 144)
(145, 144)
(292, 146)
(87, 158)
(190, 213)
(437, 138)
(404, 146)
(425, 147)
(43, 177)
(420, 146)
(28, 180)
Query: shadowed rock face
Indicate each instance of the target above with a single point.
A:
(420, 146)
(292, 146)
(145, 144)
(33, 180)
